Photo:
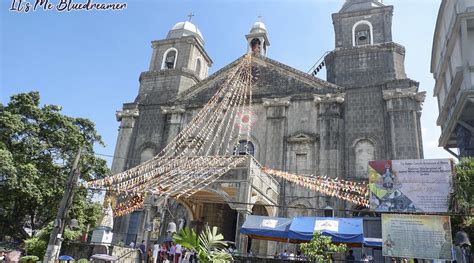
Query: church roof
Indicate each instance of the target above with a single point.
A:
(275, 80)
(360, 5)
(182, 29)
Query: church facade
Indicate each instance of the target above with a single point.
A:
(368, 109)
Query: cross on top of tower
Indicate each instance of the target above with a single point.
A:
(190, 16)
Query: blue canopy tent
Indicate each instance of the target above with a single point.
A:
(372, 242)
(266, 227)
(342, 230)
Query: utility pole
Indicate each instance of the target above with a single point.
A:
(56, 239)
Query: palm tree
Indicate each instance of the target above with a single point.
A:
(208, 246)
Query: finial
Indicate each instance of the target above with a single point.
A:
(259, 18)
(190, 16)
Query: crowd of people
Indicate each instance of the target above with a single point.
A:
(166, 252)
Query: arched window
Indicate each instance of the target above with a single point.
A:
(364, 151)
(147, 154)
(198, 67)
(362, 33)
(298, 210)
(244, 148)
(169, 59)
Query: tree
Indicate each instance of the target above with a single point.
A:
(462, 197)
(37, 244)
(321, 248)
(209, 245)
(37, 146)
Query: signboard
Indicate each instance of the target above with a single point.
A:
(416, 236)
(331, 225)
(410, 185)
(270, 223)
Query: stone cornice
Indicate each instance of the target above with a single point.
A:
(173, 109)
(382, 9)
(329, 98)
(376, 47)
(167, 72)
(277, 102)
(128, 113)
(404, 93)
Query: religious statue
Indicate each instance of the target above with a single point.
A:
(388, 178)
(107, 219)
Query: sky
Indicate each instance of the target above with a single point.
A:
(89, 61)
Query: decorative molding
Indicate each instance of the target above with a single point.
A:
(301, 137)
(404, 93)
(277, 102)
(130, 113)
(172, 109)
(329, 98)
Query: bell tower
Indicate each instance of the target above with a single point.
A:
(382, 107)
(365, 53)
(257, 39)
(178, 62)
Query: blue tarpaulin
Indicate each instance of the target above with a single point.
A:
(372, 242)
(266, 227)
(342, 230)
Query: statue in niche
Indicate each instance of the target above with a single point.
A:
(255, 44)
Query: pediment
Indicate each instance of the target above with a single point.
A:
(302, 137)
(274, 80)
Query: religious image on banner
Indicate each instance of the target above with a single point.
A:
(416, 236)
(244, 120)
(410, 185)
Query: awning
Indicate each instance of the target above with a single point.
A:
(266, 227)
(372, 242)
(342, 230)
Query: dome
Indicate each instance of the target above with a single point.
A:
(183, 29)
(258, 27)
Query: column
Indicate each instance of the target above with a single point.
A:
(404, 110)
(241, 241)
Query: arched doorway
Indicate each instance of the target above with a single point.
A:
(259, 247)
(209, 207)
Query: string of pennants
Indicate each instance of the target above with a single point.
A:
(204, 150)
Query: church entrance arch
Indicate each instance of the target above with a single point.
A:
(259, 247)
(210, 207)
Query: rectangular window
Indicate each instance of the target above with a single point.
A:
(301, 163)
(470, 40)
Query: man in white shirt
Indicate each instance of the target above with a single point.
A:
(156, 252)
(177, 253)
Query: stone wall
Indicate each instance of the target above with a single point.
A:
(86, 251)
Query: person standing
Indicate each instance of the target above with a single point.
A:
(156, 251)
(462, 248)
(142, 249)
(350, 257)
(177, 253)
(172, 252)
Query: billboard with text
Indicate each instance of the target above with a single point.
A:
(410, 185)
(416, 236)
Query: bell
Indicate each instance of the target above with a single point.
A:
(362, 35)
(171, 228)
(462, 238)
